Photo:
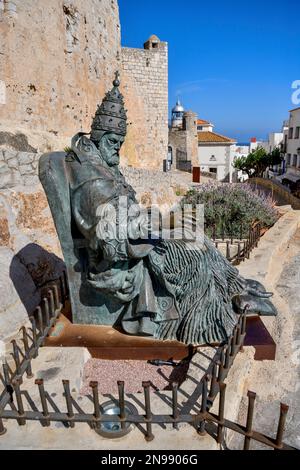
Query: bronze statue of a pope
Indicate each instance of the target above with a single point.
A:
(164, 288)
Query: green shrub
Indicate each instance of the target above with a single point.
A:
(231, 209)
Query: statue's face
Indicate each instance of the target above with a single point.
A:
(109, 147)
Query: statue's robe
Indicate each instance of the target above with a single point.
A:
(178, 293)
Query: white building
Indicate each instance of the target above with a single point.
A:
(292, 143)
(254, 144)
(215, 151)
(275, 139)
(240, 151)
(204, 126)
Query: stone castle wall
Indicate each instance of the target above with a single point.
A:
(57, 60)
(145, 79)
(20, 169)
(190, 120)
(185, 139)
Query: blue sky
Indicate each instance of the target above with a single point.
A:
(231, 61)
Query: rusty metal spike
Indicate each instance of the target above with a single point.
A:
(175, 404)
(16, 356)
(51, 303)
(149, 436)
(201, 429)
(121, 386)
(281, 424)
(27, 353)
(221, 413)
(68, 397)
(251, 402)
(21, 413)
(46, 311)
(40, 384)
(40, 320)
(56, 297)
(97, 412)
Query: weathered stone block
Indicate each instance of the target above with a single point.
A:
(26, 169)
(13, 163)
(26, 157)
(9, 179)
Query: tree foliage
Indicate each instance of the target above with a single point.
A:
(256, 163)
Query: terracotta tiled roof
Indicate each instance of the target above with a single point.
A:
(202, 121)
(213, 137)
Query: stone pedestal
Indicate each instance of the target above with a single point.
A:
(260, 339)
(105, 342)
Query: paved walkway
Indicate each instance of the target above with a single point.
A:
(273, 381)
(279, 381)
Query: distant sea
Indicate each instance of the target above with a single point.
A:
(243, 144)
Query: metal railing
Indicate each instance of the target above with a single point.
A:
(243, 245)
(247, 431)
(25, 349)
(32, 339)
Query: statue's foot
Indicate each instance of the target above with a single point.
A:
(255, 285)
(256, 289)
(254, 305)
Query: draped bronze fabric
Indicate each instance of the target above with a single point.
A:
(178, 293)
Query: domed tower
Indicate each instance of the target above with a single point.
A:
(177, 115)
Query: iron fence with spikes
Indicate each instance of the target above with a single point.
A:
(26, 349)
(244, 245)
(95, 420)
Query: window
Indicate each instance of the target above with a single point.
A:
(291, 131)
(213, 170)
(297, 132)
(288, 159)
(295, 160)
(200, 128)
(170, 155)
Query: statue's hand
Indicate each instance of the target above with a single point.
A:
(128, 286)
(123, 285)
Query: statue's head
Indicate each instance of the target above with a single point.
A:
(109, 125)
(109, 147)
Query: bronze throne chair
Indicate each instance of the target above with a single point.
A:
(88, 307)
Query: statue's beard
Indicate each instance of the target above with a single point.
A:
(110, 160)
(113, 160)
